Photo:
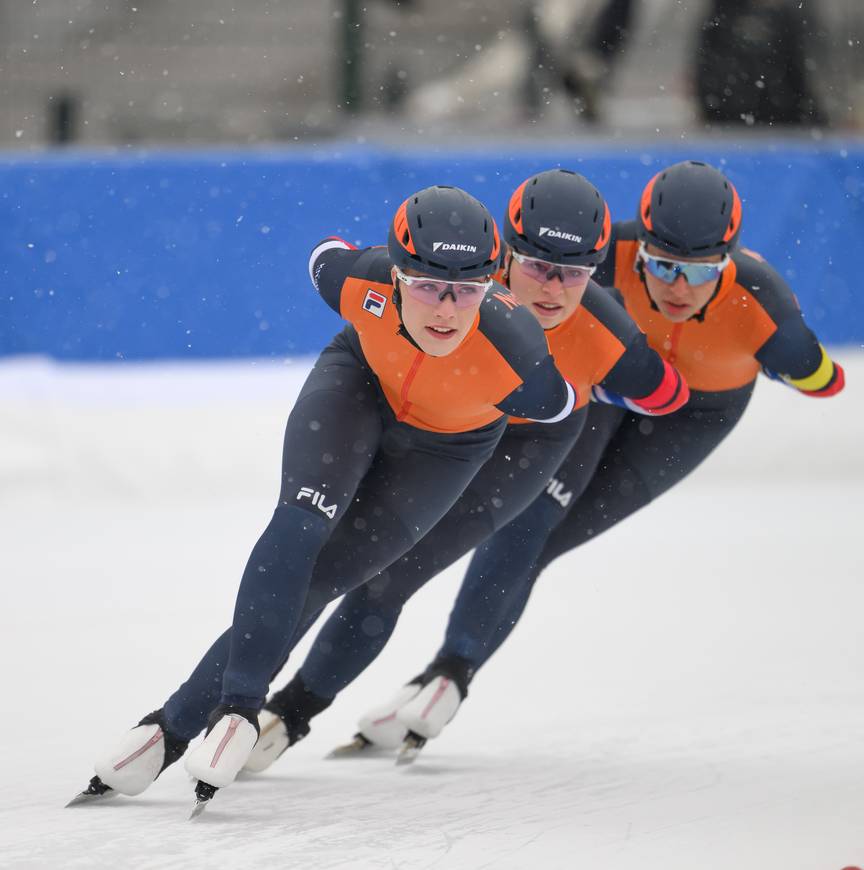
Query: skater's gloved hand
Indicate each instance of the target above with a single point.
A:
(834, 381)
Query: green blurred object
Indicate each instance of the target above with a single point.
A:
(352, 45)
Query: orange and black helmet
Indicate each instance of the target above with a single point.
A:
(690, 210)
(559, 216)
(445, 233)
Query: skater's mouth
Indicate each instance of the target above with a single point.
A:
(545, 309)
(441, 332)
(675, 307)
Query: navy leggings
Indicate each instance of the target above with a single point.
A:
(619, 464)
(358, 490)
(522, 465)
(622, 463)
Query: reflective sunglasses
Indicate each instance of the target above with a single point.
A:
(431, 291)
(543, 271)
(668, 270)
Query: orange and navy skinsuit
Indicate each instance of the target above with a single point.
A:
(597, 345)
(381, 442)
(600, 349)
(624, 461)
(752, 322)
(503, 365)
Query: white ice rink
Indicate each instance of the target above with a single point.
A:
(685, 692)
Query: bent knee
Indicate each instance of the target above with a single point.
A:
(297, 531)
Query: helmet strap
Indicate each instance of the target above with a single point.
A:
(505, 276)
(397, 303)
(639, 269)
(397, 298)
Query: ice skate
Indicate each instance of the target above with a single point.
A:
(134, 763)
(203, 795)
(96, 792)
(379, 728)
(381, 725)
(283, 722)
(410, 749)
(216, 761)
(431, 708)
(274, 739)
(358, 745)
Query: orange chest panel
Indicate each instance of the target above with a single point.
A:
(717, 353)
(453, 393)
(584, 351)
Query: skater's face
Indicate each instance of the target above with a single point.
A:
(440, 327)
(552, 294)
(678, 300)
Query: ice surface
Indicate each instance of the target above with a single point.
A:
(687, 691)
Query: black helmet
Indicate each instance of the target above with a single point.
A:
(690, 210)
(559, 216)
(444, 232)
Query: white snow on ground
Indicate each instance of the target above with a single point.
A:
(687, 691)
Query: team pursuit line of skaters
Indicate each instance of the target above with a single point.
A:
(497, 388)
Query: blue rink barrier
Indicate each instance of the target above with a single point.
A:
(204, 254)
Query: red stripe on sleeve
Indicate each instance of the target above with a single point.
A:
(835, 386)
(669, 396)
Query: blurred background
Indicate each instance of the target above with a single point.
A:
(157, 72)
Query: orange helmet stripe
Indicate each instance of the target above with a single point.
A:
(606, 231)
(515, 207)
(735, 219)
(645, 204)
(401, 229)
(496, 249)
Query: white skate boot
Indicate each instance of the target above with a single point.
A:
(216, 761)
(432, 708)
(283, 722)
(272, 742)
(379, 728)
(444, 687)
(135, 761)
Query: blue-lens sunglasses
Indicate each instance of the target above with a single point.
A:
(668, 270)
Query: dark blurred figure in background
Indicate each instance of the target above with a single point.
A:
(579, 58)
(542, 61)
(754, 60)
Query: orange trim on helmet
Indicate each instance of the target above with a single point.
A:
(515, 207)
(401, 229)
(606, 231)
(496, 248)
(645, 204)
(735, 220)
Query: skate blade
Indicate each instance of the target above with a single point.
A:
(203, 795)
(96, 792)
(358, 746)
(410, 749)
(83, 799)
(199, 808)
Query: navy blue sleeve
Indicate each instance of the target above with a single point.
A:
(638, 372)
(330, 263)
(792, 350)
(544, 396)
